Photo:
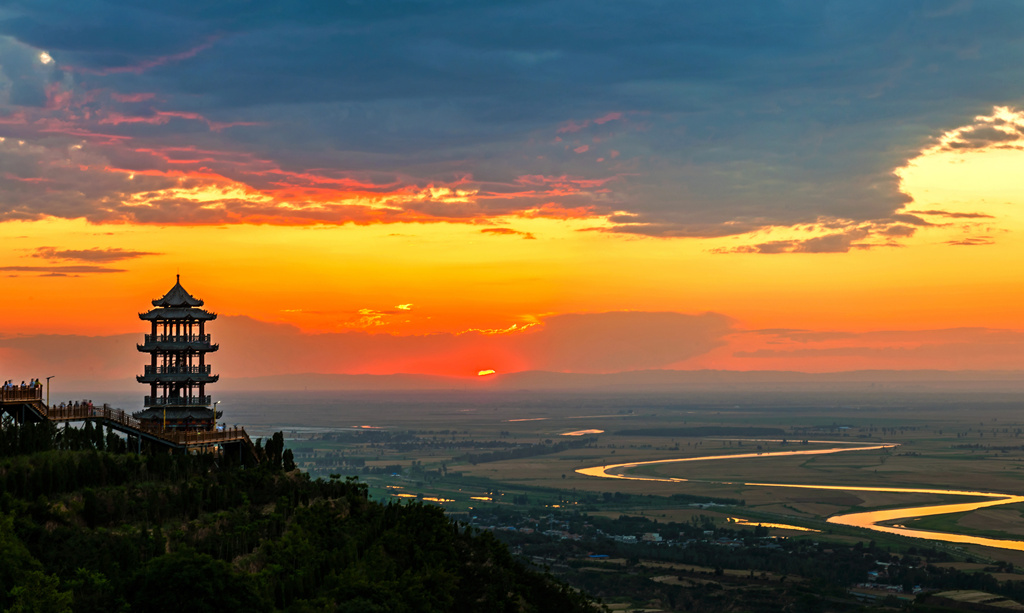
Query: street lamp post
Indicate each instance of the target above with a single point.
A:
(48, 391)
(215, 423)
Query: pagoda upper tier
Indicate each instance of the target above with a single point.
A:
(178, 304)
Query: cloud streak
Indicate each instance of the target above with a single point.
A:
(509, 232)
(60, 270)
(98, 255)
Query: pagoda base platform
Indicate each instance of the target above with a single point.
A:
(192, 419)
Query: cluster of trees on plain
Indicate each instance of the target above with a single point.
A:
(86, 526)
(801, 574)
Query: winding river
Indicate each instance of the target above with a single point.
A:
(869, 520)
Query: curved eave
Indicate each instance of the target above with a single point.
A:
(151, 378)
(198, 347)
(177, 314)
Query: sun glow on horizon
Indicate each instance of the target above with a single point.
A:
(470, 292)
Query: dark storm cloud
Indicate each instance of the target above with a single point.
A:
(719, 118)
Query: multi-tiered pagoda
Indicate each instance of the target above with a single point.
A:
(177, 372)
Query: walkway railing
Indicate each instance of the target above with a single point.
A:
(18, 394)
(202, 437)
(185, 438)
(176, 437)
(86, 412)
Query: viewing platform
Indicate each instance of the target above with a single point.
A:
(27, 405)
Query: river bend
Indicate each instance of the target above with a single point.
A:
(868, 520)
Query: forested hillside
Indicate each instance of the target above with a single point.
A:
(85, 526)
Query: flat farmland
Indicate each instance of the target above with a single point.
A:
(525, 449)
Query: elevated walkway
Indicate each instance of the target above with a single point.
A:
(26, 405)
(23, 404)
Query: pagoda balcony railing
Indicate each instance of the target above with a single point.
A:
(178, 370)
(197, 401)
(171, 338)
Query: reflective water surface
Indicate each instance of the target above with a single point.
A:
(869, 520)
(739, 521)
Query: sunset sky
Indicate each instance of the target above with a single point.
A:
(450, 187)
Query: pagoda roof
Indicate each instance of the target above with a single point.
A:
(178, 297)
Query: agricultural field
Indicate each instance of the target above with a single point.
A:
(469, 452)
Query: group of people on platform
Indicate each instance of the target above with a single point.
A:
(34, 384)
(85, 404)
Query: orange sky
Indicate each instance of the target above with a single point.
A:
(407, 279)
(371, 189)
